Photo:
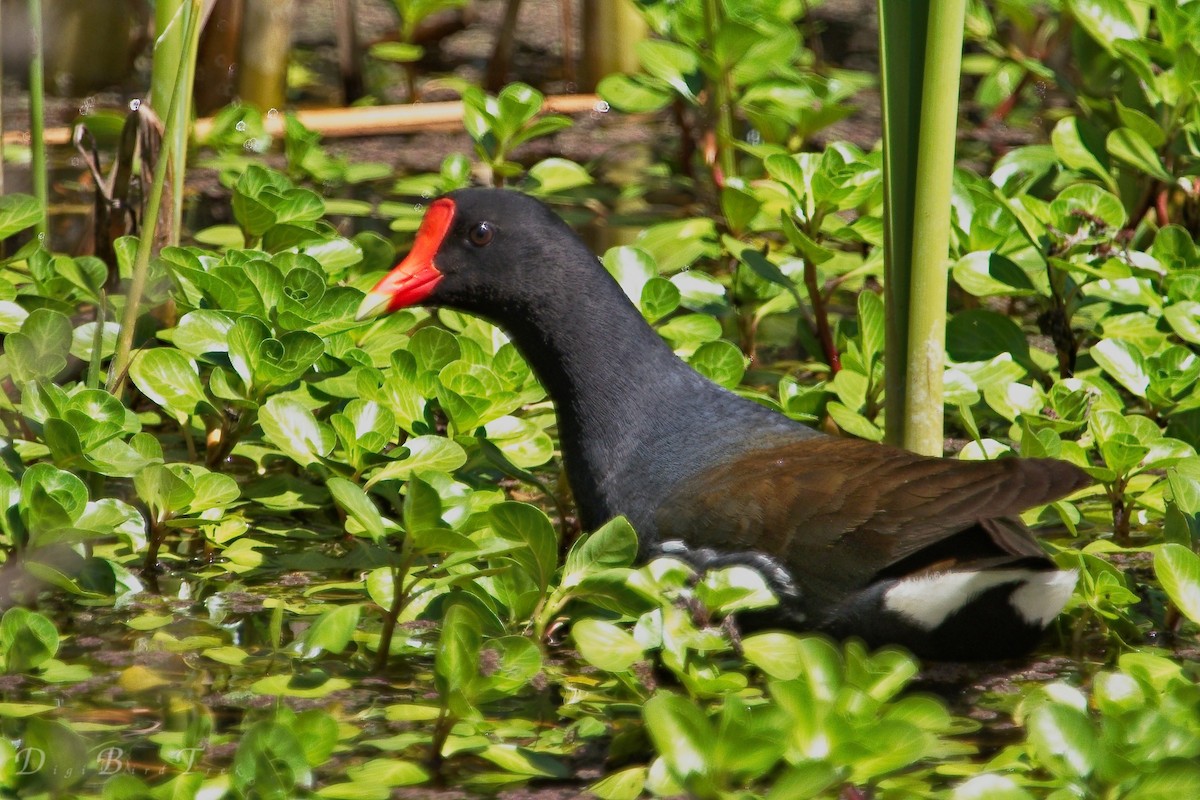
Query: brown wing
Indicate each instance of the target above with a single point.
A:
(838, 512)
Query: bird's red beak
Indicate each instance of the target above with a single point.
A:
(414, 278)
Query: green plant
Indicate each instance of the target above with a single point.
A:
(405, 50)
(499, 124)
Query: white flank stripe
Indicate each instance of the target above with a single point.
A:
(1044, 595)
(927, 600)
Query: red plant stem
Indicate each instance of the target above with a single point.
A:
(1006, 106)
(821, 317)
(1160, 207)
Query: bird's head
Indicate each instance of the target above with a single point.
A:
(476, 250)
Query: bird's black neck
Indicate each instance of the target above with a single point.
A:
(633, 418)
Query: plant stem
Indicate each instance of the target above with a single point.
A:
(924, 408)
(722, 94)
(97, 355)
(821, 318)
(1, 115)
(169, 16)
(399, 599)
(901, 60)
(1120, 512)
(921, 52)
(37, 118)
(141, 264)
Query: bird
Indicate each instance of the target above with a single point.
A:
(856, 538)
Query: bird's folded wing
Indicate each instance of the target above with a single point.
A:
(847, 508)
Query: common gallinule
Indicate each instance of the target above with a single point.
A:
(856, 538)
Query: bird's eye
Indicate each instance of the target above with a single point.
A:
(481, 234)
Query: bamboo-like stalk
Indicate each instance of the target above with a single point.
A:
(920, 58)
(263, 59)
(168, 52)
(141, 264)
(37, 118)
(925, 408)
(901, 58)
(168, 57)
(498, 64)
(1, 109)
(349, 64)
(722, 98)
(180, 134)
(614, 27)
(169, 31)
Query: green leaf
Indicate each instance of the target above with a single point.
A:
(633, 95)
(51, 498)
(1077, 146)
(169, 378)
(720, 361)
(18, 212)
(355, 502)
(432, 453)
(245, 338)
(1063, 739)
(517, 104)
(271, 758)
(606, 646)
(434, 348)
(682, 736)
(764, 268)
(40, 348)
(520, 522)
(980, 335)
(212, 490)
(378, 774)
(422, 507)
(986, 273)
(1124, 363)
(1170, 779)
(522, 761)
(1089, 201)
(632, 268)
(399, 52)
(613, 546)
(66, 753)
(278, 363)
(512, 661)
(557, 175)
(700, 292)
(659, 298)
(626, 784)
(163, 490)
(739, 208)
(690, 330)
(677, 244)
(1106, 21)
(854, 423)
(291, 427)
(1122, 452)
(333, 630)
(456, 660)
(871, 326)
(672, 63)
(736, 588)
(27, 640)
(776, 654)
(1131, 147)
(1184, 319)
(1178, 570)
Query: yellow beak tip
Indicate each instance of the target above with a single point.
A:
(372, 305)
